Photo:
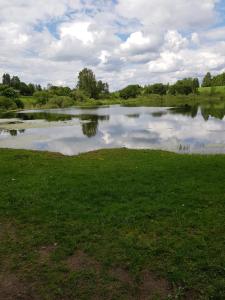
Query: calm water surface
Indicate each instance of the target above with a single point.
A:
(75, 130)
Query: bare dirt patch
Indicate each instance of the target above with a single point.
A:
(11, 288)
(122, 275)
(80, 261)
(152, 287)
(45, 252)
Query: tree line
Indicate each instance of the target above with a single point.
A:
(88, 87)
(210, 81)
(185, 86)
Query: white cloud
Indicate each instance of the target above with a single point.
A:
(174, 41)
(168, 62)
(124, 42)
(78, 30)
(161, 14)
(138, 43)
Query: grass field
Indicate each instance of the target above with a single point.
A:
(212, 90)
(112, 224)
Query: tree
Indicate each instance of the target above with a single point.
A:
(15, 82)
(172, 90)
(31, 88)
(87, 83)
(195, 84)
(24, 89)
(102, 87)
(38, 87)
(207, 80)
(131, 91)
(6, 79)
(159, 88)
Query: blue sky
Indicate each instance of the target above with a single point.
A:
(123, 41)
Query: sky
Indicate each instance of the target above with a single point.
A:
(122, 41)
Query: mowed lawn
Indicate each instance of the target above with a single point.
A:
(112, 224)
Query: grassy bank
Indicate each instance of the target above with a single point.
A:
(151, 100)
(214, 90)
(111, 224)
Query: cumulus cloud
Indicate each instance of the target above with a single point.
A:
(123, 41)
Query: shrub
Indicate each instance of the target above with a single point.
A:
(79, 96)
(7, 103)
(19, 103)
(60, 102)
(41, 97)
(9, 93)
(131, 91)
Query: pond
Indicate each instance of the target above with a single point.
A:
(187, 129)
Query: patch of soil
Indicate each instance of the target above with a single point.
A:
(11, 288)
(80, 261)
(45, 252)
(122, 275)
(152, 287)
(191, 295)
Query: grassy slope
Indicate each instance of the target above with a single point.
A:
(127, 210)
(212, 90)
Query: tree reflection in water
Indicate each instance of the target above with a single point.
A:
(207, 110)
(12, 132)
(90, 126)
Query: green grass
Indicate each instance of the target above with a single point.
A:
(220, 90)
(28, 101)
(151, 100)
(68, 224)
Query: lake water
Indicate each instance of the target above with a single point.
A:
(71, 131)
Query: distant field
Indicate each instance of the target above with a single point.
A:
(212, 90)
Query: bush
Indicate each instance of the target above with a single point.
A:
(9, 93)
(60, 102)
(79, 96)
(131, 91)
(41, 97)
(7, 103)
(19, 103)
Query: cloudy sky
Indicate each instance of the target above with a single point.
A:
(123, 41)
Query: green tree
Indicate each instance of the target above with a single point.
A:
(24, 89)
(87, 83)
(172, 90)
(31, 87)
(207, 80)
(15, 82)
(195, 84)
(131, 91)
(159, 88)
(6, 79)
(102, 87)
